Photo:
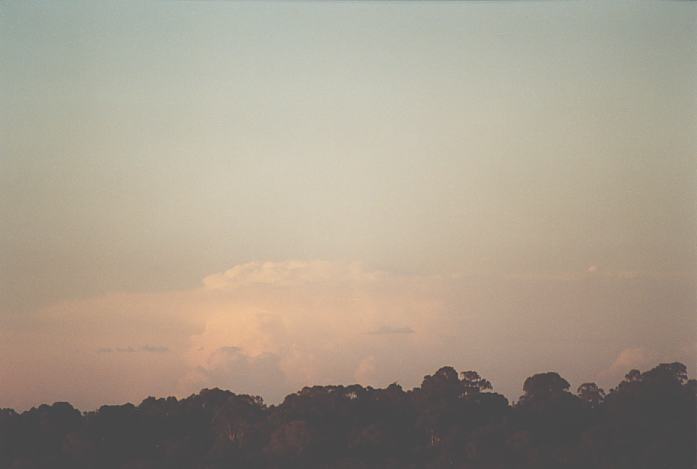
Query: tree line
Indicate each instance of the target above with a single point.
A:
(453, 420)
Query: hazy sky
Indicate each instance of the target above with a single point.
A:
(262, 195)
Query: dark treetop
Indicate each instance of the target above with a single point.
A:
(451, 420)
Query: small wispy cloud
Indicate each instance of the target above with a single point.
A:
(130, 349)
(154, 348)
(385, 330)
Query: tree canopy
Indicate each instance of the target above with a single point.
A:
(452, 420)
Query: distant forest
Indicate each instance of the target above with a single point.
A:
(452, 420)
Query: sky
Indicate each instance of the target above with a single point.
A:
(266, 195)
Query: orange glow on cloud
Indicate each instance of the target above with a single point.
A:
(271, 327)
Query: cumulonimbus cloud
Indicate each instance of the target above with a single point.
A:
(270, 328)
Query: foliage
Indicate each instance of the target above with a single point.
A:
(451, 420)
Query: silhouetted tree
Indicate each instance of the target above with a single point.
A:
(591, 393)
(472, 383)
(648, 421)
(544, 386)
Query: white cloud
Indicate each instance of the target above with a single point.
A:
(365, 371)
(229, 367)
(306, 312)
(291, 274)
(628, 359)
(270, 328)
